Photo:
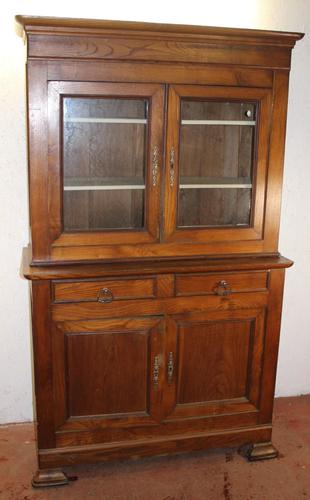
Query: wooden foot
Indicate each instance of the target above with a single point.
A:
(49, 477)
(258, 451)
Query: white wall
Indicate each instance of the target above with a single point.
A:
(15, 358)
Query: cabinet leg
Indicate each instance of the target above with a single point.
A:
(258, 451)
(49, 477)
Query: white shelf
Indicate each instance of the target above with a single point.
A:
(215, 186)
(103, 188)
(105, 120)
(215, 183)
(218, 122)
(136, 186)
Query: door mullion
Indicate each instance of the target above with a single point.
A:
(171, 163)
(171, 367)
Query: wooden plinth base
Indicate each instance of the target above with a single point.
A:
(49, 477)
(258, 451)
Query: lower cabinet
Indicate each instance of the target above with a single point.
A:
(183, 373)
(130, 378)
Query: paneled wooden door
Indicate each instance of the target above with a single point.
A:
(107, 373)
(105, 151)
(215, 363)
(216, 163)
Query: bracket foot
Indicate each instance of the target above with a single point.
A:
(49, 477)
(258, 451)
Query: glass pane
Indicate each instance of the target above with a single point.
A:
(104, 163)
(216, 163)
(214, 207)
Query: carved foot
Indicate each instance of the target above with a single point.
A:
(258, 451)
(49, 477)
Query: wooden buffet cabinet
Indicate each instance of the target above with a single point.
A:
(155, 171)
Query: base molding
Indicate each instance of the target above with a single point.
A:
(49, 477)
(68, 456)
(259, 451)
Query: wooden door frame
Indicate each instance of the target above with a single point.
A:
(57, 90)
(249, 403)
(153, 327)
(263, 98)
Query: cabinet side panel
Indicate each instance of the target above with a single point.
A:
(38, 148)
(276, 160)
(43, 369)
(273, 324)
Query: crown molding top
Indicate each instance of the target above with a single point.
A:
(58, 25)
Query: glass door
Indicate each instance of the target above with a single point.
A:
(110, 149)
(216, 163)
(104, 163)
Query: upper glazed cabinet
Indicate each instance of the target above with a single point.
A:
(139, 149)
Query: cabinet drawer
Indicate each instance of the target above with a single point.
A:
(220, 283)
(106, 290)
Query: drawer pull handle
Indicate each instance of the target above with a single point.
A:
(105, 296)
(156, 370)
(222, 288)
(170, 368)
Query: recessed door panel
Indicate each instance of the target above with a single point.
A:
(217, 362)
(107, 372)
(108, 369)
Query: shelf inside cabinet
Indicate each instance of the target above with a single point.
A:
(141, 121)
(218, 122)
(102, 184)
(215, 183)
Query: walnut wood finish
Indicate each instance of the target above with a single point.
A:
(43, 365)
(50, 37)
(89, 291)
(154, 337)
(58, 237)
(149, 266)
(158, 446)
(172, 233)
(225, 389)
(160, 73)
(224, 366)
(107, 368)
(63, 60)
(200, 284)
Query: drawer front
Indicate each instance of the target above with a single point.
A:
(106, 290)
(220, 283)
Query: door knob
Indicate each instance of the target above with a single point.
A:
(105, 296)
(222, 288)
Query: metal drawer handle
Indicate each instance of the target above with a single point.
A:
(105, 296)
(222, 288)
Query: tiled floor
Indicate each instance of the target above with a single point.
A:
(212, 475)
